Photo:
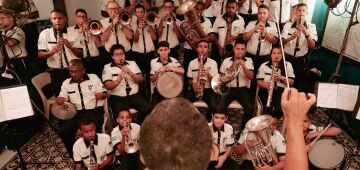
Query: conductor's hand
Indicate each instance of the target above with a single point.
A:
(60, 100)
(295, 105)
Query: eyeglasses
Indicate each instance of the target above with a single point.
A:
(118, 54)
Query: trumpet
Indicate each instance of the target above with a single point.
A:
(151, 18)
(95, 27)
(125, 18)
(262, 37)
(131, 145)
(169, 20)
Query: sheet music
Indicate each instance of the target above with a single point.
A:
(327, 95)
(16, 103)
(347, 97)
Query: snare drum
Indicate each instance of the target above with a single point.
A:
(64, 112)
(327, 154)
(169, 84)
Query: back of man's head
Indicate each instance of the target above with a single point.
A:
(175, 136)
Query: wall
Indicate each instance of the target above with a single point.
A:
(91, 6)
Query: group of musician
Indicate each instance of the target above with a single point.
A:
(121, 58)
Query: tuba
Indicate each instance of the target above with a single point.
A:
(218, 82)
(259, 147)
(131, 145)
(190, 28)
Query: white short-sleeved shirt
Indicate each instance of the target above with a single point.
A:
(111, 72)
(264, 73)
(18, 50)
(83, 92)
(218, 8)
(116, 137)
(274, 9)
(209, 64)
(223, 136)
(244, 9)
(87, 43)
(47, 41)
(252, 44)
(105, 2)
(144, 33)
(220, 27)
(207, 27)
(277, 142)
(156, 64)
(289, 47)
(169, 34)
(102, 146)
(241, 80)
(115, 32)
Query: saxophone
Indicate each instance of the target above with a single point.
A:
(272, 85)
(92, 160)
(201, 79)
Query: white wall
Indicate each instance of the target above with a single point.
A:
(92, 8)
(44, 7)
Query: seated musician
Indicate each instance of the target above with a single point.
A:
(277, 142)
(58, 46)
(122, 77)
(13, 49)
(121, 138)
(240, 83)
(163, 63)
(222, 134)
(87, 93)
(200, 73)
(104, 153)
(271, 79)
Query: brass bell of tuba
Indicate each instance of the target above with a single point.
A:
(258, 143)
(190, 27)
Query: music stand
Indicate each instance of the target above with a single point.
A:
(15, 104)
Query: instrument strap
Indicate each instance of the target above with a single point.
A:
(167, 32)
(81, 96)
(86, 46)
(143, 36)
(250, 7)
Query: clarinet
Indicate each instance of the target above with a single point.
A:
(92, 155)
(58, 34)
(127, 85)
(297, 48)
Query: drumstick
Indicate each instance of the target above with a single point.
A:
(321, 133)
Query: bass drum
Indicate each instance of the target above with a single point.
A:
(327, 154)
(169, 84)
(63, 112)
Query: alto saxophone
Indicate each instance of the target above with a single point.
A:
(272, 85)
(201, 79)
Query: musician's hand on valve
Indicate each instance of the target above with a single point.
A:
(221, 161)
(241, 62)
(277, 75)
(268, 84)
(60, 100)
(125, 130)
(141, 24)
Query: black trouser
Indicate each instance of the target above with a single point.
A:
(129, 162)
(174, 52)
(68, 128)
(243, 96)
(93, 66)
(257, 61)
(298, 64)
(58, 76)
(229, 164)
(247, 165)
(156, 97)
(189, 55)
(19, 67)
(209, 97)
(135, 101)
(143, 61)
(275, 109)
(249, 17)
(31, 37)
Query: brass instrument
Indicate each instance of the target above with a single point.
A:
(201, 79)
(218, 82)
(95, 27)
(131, 145)
(169, 20)
(92, 160)
(262, 37)
(190, 27)
(125, 18)
(228, 46)
(272, 85)
(258, 143)
(151, 18)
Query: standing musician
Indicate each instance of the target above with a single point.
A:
(240, 86)
(121, 137)
(163, 63)
(87, 93)
(58, 46)
(13, 47)
(115, 32)
(298, 37)
(260, 34)
(167, 28)
(143, 46)
(122, 77)
(248, 9)
(271, 79)
(228, 27)
(104, 4)
(280, 10)
(89, 42)
(200, 73)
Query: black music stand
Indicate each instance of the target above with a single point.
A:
(15, 104)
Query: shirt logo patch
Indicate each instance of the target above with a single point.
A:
(91, 87)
